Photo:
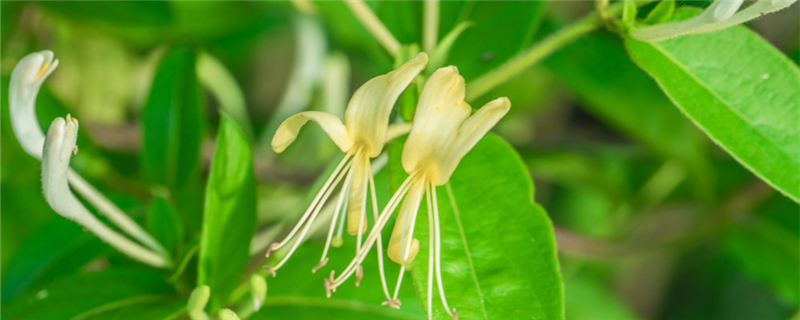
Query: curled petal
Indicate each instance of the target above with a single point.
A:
(26, 79)
(58, 148)
(287, 131)
(367, 114)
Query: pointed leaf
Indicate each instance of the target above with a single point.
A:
(229, 214)
(740, 90)
(498, 250)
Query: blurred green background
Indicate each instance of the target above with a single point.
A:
(653, 221)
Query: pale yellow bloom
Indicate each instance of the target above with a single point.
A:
(362, 135)
(442, 133)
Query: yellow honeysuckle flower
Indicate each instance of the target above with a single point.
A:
(362, 135)
(442, 133)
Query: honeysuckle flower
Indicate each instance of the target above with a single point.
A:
(361, 137)
(59, 146)
(26, 80)
(442, 133)
(719, 15)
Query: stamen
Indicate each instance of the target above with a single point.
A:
(270, 270)
(359, 275)
(320, 265)
(379, 224)
(416, 201)
(342, 196)
(437, 247)
(41, 72)
(313, 216)
(314, 204)
(431, 236)
(375, 213)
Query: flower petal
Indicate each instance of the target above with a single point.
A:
(287, 131)
(440, 112)
(26, 79)
(367, 114)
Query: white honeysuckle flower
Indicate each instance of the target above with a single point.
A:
(26, 80)
(361, 137)
(59, 146)
(719, 15)
(442, 133)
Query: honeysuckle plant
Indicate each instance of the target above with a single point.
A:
(362, 135)
(661, 137)
(442, 133)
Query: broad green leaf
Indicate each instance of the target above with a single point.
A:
(229, 214)
(498, 250)
(164, 224)
(84, 295)
(59, 247)
(740, 90)
(131, 13)
(767, 251)
(172, 122)
(500, 30)
(629, 101)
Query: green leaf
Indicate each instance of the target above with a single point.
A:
(643, 113)
(628, 14)
(740, 90)
(229, 214)
(661, 13)
(501, 29)
(442, 51)
(164, 224)
(59, 247)
(155, 309)
(172, 122)
(767, 251)
(498, 250)
(85, 295)
(131, 13)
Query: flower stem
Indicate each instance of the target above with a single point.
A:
(374, 25)
(539, 51)
(430, 25)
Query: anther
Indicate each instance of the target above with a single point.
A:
(270, 270)
(359, 275)
(320, 265)
(271, 247)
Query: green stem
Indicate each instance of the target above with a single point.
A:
(539, 51)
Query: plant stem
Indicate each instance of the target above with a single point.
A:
(539, 51)
(374, 25)
(430, 25)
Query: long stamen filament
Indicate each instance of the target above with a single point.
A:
(379, 224)
(416, 201)
(431, 236)
(437, 246)
(375, 214)
(313, 216)
(342, 196)
(314, 204)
